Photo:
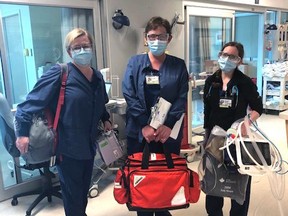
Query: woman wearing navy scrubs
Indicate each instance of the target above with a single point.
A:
(84, 107)
(147, 77)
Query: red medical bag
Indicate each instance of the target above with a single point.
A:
(156, 182)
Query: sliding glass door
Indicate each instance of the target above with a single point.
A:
(208, 30)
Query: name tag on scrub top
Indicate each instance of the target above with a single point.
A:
(225, 102)
(152, 80)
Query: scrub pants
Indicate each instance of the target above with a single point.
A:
(75, 178)
(134, 146)
(214, 204)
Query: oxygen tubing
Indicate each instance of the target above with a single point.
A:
(273, 172)
(276, 188)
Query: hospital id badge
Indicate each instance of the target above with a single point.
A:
(152, 80)
(225, 102)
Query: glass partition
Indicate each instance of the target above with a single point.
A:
(33, 40)
(284, 17)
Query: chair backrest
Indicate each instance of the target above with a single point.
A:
(7, 128)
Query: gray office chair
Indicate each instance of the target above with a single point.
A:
(8, 136)
(6, 125)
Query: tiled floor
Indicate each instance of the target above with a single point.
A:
(262, 201)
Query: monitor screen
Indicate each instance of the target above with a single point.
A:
(264, 148)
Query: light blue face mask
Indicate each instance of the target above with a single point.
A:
(82, 58)
(157, 47)
(226, 65)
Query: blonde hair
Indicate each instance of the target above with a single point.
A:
(75, 33)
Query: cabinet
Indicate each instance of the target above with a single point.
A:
(274, 99)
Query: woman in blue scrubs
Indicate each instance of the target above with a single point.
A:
(147, 77)
(84, 107)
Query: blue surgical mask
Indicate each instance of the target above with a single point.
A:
(82, 58)
(157, 47)
(226, 65)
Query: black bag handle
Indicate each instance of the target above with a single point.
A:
(146, 156)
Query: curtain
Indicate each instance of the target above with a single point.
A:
(204, 41)
(76, 18)
(199, 48)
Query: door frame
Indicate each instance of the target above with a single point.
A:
(202, 8)
(205, 12)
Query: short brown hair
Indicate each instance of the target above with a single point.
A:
(157, 21)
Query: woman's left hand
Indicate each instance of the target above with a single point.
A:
(162, 134)
(107, 126)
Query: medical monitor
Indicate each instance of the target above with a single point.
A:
(264, 147)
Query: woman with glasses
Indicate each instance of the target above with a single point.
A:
(84, 107)
(147, 77)
(229, 95)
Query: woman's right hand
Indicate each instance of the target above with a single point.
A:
(148, 133)
(22, 144)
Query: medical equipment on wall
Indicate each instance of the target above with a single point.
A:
(282, 42)
(276, 41)
(176, 21)
(119, 19)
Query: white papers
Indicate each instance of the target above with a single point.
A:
(176, 128)
(159, 113)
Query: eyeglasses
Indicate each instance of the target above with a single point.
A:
(162, 37)
(78, 48)
(230, 56)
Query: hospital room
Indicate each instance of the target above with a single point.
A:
(145, 108)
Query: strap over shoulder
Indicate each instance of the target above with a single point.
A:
(64, 76)
(64, 73)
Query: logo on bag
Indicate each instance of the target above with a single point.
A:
(117, 185)
(138, 179)
(179, 198)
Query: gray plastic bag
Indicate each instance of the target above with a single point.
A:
(215, 177)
